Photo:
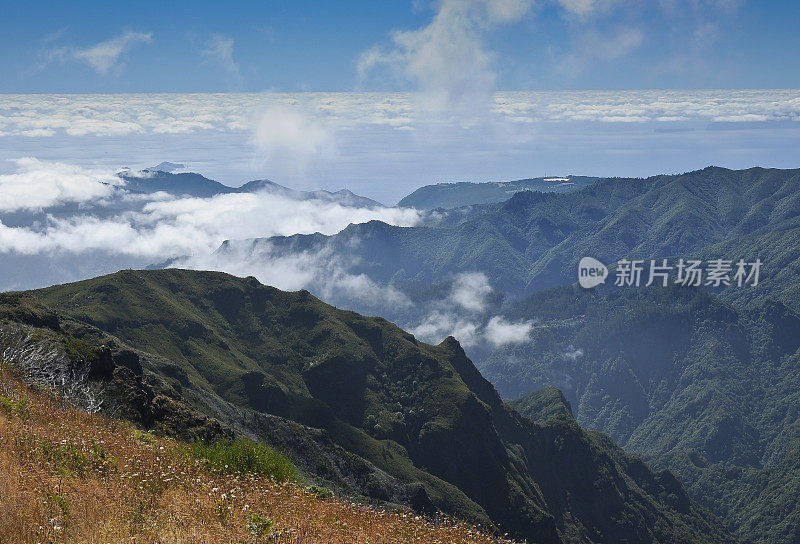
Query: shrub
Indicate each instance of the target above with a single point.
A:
(50, 365)
(78, 350)
(62, 502)
(319, 492)
(144, 437)
(259, 525)
(244, 456)
(8, 406)
(13, 407)
(69, 459)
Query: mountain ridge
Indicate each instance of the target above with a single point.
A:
(459, 194)
(534, 241)
(462, 432)
(197, 185)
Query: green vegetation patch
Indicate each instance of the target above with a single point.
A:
(12, 407)
(244, 456)
(69, 459)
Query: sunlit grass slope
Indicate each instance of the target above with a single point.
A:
(66, 476)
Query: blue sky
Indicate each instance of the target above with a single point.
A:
(437, 73)
(319, 46)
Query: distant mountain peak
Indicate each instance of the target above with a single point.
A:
(166, 167)
(159, 178)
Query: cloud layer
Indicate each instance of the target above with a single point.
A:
(155, 226)
(115, 115)
(37, 184)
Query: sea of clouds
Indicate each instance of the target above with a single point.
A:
(385, 145)
(306, 117)
(157, 225)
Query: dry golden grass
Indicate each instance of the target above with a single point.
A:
(66, 476)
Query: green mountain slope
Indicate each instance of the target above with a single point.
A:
(690, 382)
(534, 241)
(542, 405)
(421, 414)
(456, 195)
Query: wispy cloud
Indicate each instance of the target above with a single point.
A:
(448, 60)
(592, 44)
(608, 31)
(289, 136)
(583, 7)
(573, 354)
(320, 271)
(102, 57)
(220, 50)
(466, 315)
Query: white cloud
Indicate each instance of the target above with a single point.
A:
(220, 50)
(448, 317)
(163, 226)
(470, 290)
(447, 60)
(102, 57)
(500, 332)
(321, 272)
(288, 136)
(38, 184)
(573, 354)
(438, 325)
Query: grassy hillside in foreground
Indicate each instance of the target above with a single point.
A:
(420, 414)
(66, 476)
